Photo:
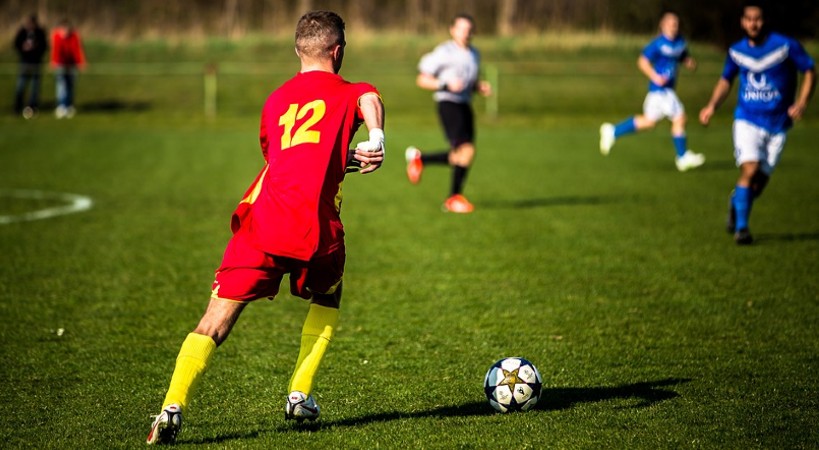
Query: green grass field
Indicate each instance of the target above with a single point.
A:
(615, 276)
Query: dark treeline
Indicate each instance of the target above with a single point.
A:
(706, 20)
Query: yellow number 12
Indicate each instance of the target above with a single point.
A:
(303, 134)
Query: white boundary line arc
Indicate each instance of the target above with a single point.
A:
(75, 203)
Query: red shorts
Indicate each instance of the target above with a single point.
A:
(247, 274)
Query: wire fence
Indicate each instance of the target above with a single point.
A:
(239, 87)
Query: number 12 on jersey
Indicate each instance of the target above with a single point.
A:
(304, 134)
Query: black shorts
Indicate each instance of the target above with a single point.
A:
(458, 122)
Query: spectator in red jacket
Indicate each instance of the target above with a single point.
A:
(66, 57)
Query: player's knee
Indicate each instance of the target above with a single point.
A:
(216, 331)
(644, 123)
(331, 300)
(219, 318)
(747, 170)
(758, 182)
(462, 155)
(327, 300)
(464, 160)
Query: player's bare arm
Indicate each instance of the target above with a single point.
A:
(690, 63)
(371, 152)
(431, 83)
(648, 70)
(427, 81)
(719, 95)
(484, 88)
(805, 93)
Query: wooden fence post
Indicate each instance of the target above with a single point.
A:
(211, 89)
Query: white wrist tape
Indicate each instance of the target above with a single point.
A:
(376, 134)
(377, 139)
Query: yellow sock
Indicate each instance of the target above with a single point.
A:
(190, 364)
(315, 337)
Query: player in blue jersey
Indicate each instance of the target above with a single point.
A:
(766, 64)
(659, 61)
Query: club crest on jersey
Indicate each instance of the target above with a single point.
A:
(757, 89)
(757, 84)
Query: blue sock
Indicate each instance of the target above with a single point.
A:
(680, 145)
(625, 127)
(742, 206)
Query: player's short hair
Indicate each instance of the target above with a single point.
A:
(760, 4)
(668, 11)
(318, 32)
(462, 15)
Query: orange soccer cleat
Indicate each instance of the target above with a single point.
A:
(458, 204)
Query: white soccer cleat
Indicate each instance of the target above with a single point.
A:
(300, 407)
(166, 426)
(690, 160)
(606, 138)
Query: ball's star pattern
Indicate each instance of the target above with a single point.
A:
(511, 378)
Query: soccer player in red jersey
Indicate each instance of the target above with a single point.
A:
(288, 221)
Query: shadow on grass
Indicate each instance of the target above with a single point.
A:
(786, 237)
(548, 201)
(107, 106)
(113, 106)
(552, 399)
(647, 394)
(717, 166)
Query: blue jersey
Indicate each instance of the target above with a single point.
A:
(665, 55)
(767, 79)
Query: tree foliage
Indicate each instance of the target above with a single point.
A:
(706, 20)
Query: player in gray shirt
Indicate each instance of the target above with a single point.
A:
(451, 71)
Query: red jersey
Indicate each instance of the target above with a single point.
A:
(293, 207)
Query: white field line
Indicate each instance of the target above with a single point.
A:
(74, 203)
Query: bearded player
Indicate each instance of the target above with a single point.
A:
(766, 64)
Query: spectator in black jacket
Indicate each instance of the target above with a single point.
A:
(31, 44)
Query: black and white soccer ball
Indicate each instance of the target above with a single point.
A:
(512, 384)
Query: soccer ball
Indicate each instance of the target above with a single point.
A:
(512, 384)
